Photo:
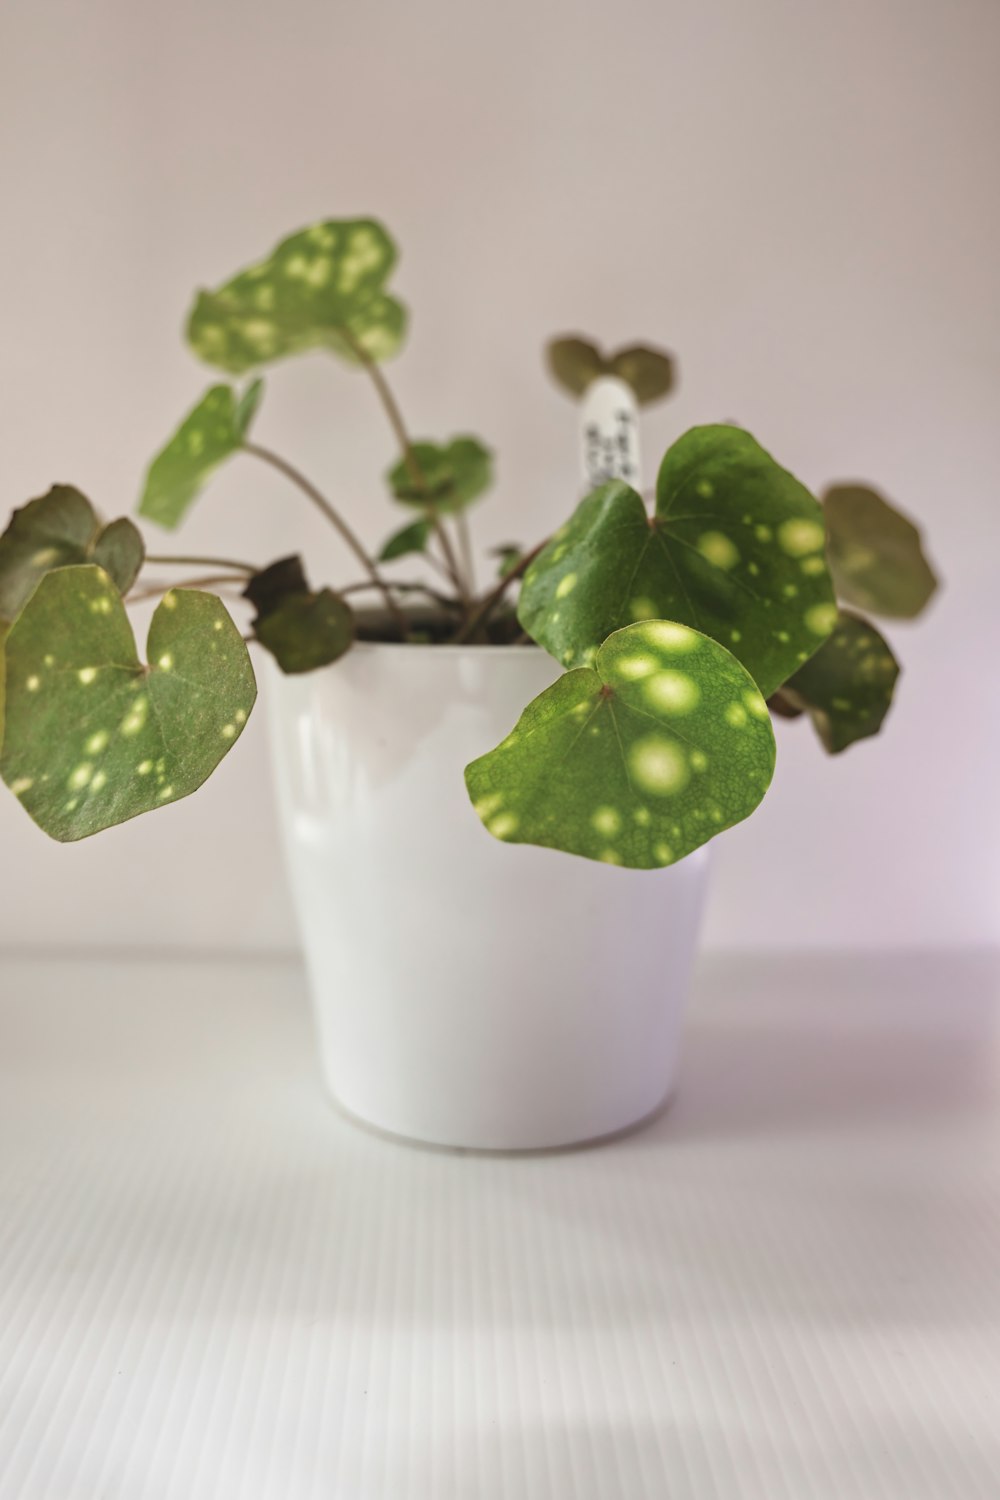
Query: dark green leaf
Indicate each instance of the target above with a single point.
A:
(307, 631)
(60, 530)
(451, 475)
(735, 550)
(412, 538)
(322, 288)
(875, 554)
(94, 737)
(509, 555)
(650, 372)
(847, 687)
(636, 761)
(301, 629)
(575, 363)
(212, 432)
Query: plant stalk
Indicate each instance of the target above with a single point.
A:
(481, 614)
(336, 519)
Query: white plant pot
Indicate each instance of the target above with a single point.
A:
(467, 992)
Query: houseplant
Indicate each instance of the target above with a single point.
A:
(645, 728)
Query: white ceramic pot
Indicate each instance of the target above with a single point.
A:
(467, 992)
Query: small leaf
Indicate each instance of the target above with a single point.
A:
(302, 630)
(508, 555)
(322, 288)
(875, 554)
(650, 372)
(735, 550)
(452, 474)
(575, 363)
(94, 737)
(847, 687)
(212, 432)
(635, 761)
(412, 538)
(60, 530)
(4, 631)
(246, 406)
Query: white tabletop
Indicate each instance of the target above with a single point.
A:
(214, 1287)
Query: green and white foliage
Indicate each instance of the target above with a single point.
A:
(445, 476)
(61, 530)
(302, 629)
(322, 288)
(636, 760)
(212, 432)
(575, 363)
(92, 735)
(734, 549)
(847, 687)
(876, 554)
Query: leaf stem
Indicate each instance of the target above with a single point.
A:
(486, 606)
(336, 519)
(201, 562)
(153, 589)
(395, 416)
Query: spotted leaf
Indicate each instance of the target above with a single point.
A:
(93, 736)
(875, 553)
(451, 475)
(735, 550)
(636, 760)
(847, 687)
(322, 288)
(404, 543)
(212, 432)
(61, 530)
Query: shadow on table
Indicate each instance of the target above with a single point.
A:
(851, 1042)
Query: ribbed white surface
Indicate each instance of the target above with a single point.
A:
(212, 1287)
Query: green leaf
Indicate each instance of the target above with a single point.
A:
(4, 631)
(735, 550)
(875, 554)
(508, 556)
(650, 372)
(322, 288)
(212, 432)
(302, 630)
(61, 530)
(412, 538)
(94, 737)
(575, 363)
(636, 761)
(847, 687)
(452, 474)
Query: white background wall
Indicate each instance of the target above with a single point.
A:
(800, 198)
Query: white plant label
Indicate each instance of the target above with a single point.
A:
(609, 433)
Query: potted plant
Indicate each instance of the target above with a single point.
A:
(607, 695)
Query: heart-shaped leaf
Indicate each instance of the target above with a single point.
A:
(451, 475)
(875, 553)
(575, 363)
(649, 372)
(410, 539)
(735, 550)
(636, 761)
(302, 630)
(847, 687)
(212, 432)
(93, 737)
(322, 288)
(60, 530)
